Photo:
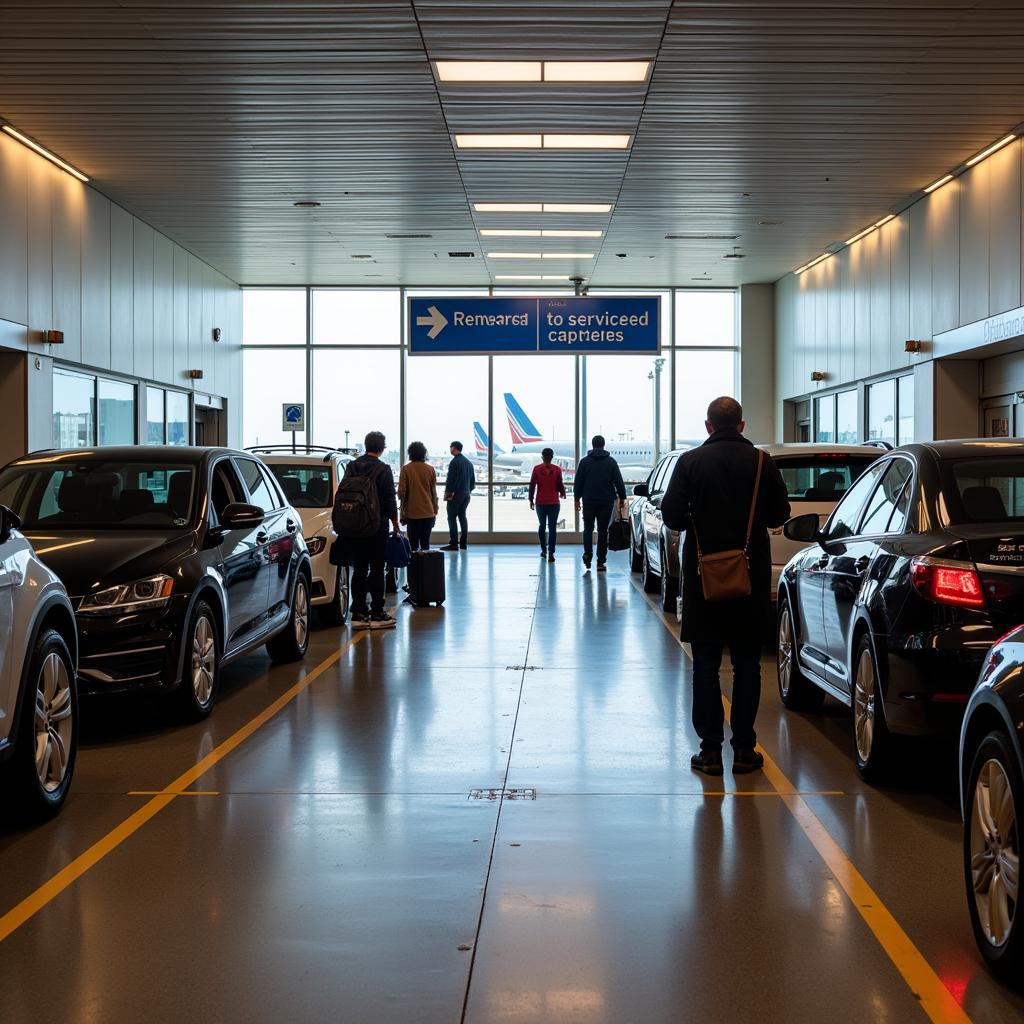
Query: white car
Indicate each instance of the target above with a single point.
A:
(38, 679)
(309, 479)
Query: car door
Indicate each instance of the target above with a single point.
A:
(8, 682)
(242, 557)
(652, 511)
(850, 561)
(279, 526)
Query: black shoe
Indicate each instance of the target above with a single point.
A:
(601, 567)
(586, 561)
(381, 621)
(551, 558)
(543, 553)
(450, 547)
(746, 761)
(707, 761)
(359, 620)
(462, 547)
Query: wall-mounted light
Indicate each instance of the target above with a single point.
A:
(216, 334)
(194, 374)
(43, 152)
(53, 337)
(817, 376)
(913, 345)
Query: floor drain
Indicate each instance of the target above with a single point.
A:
(515, 793)
(523, 668)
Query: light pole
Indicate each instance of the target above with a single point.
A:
(656, 377)
(347, 432)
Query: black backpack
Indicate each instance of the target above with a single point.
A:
(357, 505)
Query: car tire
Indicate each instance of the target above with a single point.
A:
(650, 582)
(992, 841)
(50, 710)
(796, 691)
(669, 587)
(336, 613)
(292, 642)
(201, 673)
(872, 741)
(636, 559)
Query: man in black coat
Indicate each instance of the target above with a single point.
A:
(710, 494)
(596, 486)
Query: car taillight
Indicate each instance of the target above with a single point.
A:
(947, 582)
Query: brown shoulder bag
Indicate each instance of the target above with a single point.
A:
(725, 575)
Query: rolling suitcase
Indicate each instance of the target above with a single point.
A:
(426, 578)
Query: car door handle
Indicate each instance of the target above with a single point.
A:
(291, 526)
(861, 564)
(262, 537)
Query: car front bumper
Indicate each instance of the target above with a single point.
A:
(325, 577)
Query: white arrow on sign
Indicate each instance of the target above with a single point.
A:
(437, 322)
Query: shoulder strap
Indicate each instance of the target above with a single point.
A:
(753, 500)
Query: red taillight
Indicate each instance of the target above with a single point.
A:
(947, 582)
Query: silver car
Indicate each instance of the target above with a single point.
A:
(38, 679)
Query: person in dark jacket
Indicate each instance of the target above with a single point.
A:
(597, 484)
(457, 489)
(367, 555)
(709, 496)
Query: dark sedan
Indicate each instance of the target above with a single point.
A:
(917, 572)
(177, 560)
(992, 789)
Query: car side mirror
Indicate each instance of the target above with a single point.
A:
(239, 516)
(641, 491)
(8, 521)
(803, 528)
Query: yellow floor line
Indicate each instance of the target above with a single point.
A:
(32, 904)
(183, 792)
(935, 999)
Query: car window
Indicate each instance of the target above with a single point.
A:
(225, 489)
(843, 520)
(984, 490)
(305, 486)
(900, 514)
(664, 474)
(824, 476)
(259, 489)
(883, 502)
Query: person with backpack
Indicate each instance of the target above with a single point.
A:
(363, 507)
(457, 489)
(546, 488)
(597, 485)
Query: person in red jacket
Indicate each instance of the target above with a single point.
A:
(546, 488)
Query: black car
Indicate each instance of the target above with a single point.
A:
(992, 799)
(177, 561)
(654, 548)
(917, 572)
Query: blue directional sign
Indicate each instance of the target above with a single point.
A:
(501, 326)
(293, 416)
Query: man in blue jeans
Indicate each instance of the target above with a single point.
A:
(457, 489)
(710, 496)
(597, 484)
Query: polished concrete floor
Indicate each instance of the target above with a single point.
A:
(347, 861)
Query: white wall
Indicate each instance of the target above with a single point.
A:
(757, 359)
(951, 259)
(127, 298)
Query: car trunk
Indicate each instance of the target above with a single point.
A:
(998, 552)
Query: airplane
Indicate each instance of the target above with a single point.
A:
(481, 442)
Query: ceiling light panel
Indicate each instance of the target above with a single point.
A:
(489, 70)
(570, 233)
(596, 70)
(991, 149)
(494, 141)
(575, 140)
(542, 207)
(514, 256)
(568, 255)
(546, 71)
(510, 232)
(577, 207)
(530, 277)
(585, 141)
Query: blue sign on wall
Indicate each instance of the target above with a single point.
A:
(567, 325)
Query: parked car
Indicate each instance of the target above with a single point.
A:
(915, 575)
(817, 476)
(992, 800)
(310, 480)
(38, 688)
(177, 560)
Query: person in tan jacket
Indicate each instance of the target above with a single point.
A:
(417, 495)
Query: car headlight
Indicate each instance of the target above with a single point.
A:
(316, 545)
(152, 592)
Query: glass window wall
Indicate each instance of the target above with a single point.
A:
(701, 377)
(350, 316)
(155, 416)
(74, 410)
(905, 406)
(882, 411)
(825, 419)
(274, 316)
(847, 427)
(270, 378)
(116, 420)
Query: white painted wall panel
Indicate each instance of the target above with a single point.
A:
(974, 244)
(195, 313)
(122, 298)
(13, 231)
(1005, 229)
(944, 210)
(877, 251)
(898, 231)
(68, 199)
(142, 313)
(40, 245)
(920, 271)
(163, 307)
(847, 362)
(179, 329)
(96, 279)
(860, 281)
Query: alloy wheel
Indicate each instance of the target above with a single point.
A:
(342, 595)
(54, 723)
(995, 858)
(204, 660)
(785, 651)
(864, 697)
(301, 613)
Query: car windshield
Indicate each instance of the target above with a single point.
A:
(95, 494)
(304, 486)
(822, 477)
(985, 490)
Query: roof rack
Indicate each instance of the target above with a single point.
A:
(884, 445)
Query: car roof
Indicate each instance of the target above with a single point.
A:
(812, 448)
(125, 453)
(966, 447)
(302, 460)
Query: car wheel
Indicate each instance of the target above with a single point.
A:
(650, 582)
(636, 559)
(38, 776)
(669, 586)
(292, 642)
(796, 691)
(202, 663)
(336, 613)
(872, 741)
(995, 806)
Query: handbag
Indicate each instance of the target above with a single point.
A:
(725, 575)
(619, 533)
(398, 551)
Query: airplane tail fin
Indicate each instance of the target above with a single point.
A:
(481, 439)
(519, 424)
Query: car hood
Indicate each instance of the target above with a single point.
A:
(315, 520)
(91, 560)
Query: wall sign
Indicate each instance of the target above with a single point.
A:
(563, 324)
(293, 416)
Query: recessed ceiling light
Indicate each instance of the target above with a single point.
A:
(885, 220)
(938, 184)
(814, 262)
(530, 277)
(495, 141)
(586, 141)
(510, 232)
(26, 141)
(577, 207)
(568, 255)
(581, 140)
(769, 223)
(857, 237)
(306, 204)
(991, 149)
(596, 70)
(488, 70)
(514, 256)
(542, 207)
(570, 233)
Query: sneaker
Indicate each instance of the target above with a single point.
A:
(450, 547)
(382, 621)
(551, 558)
(707, 761)
(746, 761)
(359, 620)
(601, 567)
